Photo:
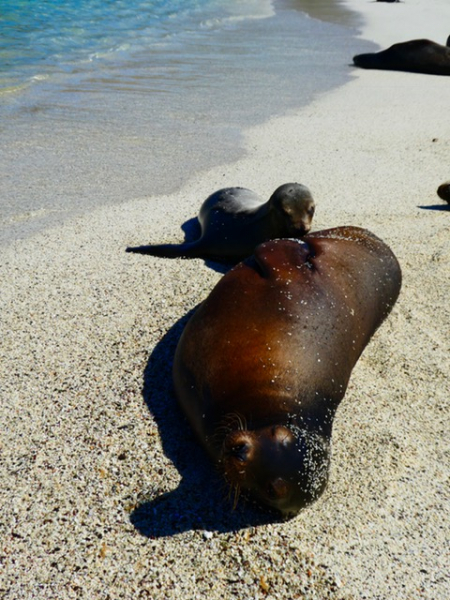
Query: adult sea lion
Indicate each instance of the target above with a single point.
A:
(264, 362)
(443, 191)
(235, 220)
(417, 56)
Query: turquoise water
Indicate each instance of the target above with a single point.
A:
(41, 38)
(103, 101)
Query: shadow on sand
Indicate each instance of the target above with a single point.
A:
(201, 500)
(443, 207)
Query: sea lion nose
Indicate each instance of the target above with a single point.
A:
(302, 227)
(240, 451)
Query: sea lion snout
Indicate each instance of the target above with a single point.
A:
(290, 469)
(282, 468)
(301, 225)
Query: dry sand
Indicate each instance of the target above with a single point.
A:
(105, 495)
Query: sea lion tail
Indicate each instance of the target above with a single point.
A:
(167, 250)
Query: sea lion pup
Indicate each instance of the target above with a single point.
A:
(264, 362)
(235, 220)
(443, 191)
(416, 56)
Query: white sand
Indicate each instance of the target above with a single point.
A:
(80, 449)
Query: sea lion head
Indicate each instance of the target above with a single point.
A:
(283, 467)
(294, 207)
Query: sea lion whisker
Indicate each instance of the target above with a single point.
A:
(232, 492)
(232, 420)
(242, 422)
(237, 492)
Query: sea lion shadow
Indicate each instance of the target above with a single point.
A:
(443, 207)
(201, 500)
(191, 229)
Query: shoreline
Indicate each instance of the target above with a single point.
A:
(111, 133)
(107, 494)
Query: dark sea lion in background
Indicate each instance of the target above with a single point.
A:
(443, 191)
(416, 56)
(264, 362)
(235, 220)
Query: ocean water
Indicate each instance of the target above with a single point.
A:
(44, 38)
(103, 101)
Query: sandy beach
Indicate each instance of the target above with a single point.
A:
(105, 493)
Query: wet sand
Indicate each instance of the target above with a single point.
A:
(105, 492)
